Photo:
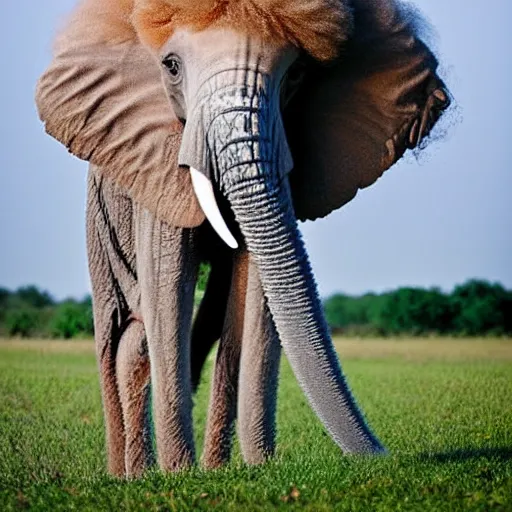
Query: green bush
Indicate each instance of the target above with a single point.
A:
(72, 319)
(480, 307)
(416, 311)
(24, 322)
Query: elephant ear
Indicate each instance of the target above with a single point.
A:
(103, 98)
(351, 121)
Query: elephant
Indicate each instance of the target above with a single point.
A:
(252, 114)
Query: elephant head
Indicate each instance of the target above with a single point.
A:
(285, 109)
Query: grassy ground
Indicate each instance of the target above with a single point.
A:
(443, 408)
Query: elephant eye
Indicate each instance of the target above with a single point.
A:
(173, 65)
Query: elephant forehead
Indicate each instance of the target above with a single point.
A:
(318, 27)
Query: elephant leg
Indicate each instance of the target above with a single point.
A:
(224, 391)
(167, 270)
(110, 311)
(259, 372)
(133, 377)
(107, 341)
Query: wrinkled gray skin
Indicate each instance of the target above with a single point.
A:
(144, 269)
(230, 95)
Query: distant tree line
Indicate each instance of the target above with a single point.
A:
(476, 308)
(30, 312)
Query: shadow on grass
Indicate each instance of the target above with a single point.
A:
(502, 453)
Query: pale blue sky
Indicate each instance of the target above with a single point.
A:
(436, 222)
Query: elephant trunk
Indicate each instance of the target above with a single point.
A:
(268, 224)
(250, 160)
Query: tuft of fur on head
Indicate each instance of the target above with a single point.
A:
(319, 27)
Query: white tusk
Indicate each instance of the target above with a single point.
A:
(204, 192)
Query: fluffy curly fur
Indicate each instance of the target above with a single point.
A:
(319, 27)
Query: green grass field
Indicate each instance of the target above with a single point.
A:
(443, 408)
